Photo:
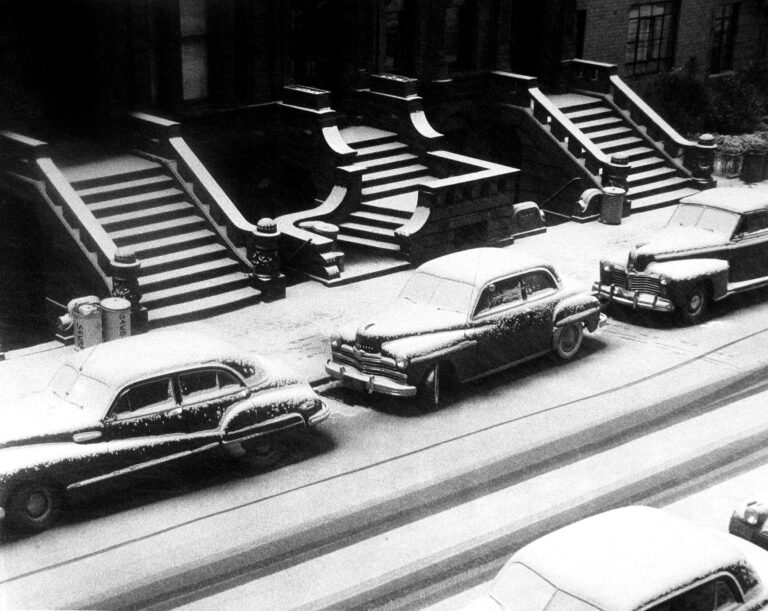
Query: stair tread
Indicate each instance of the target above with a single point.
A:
(124, 184)
(578, 115)
(182, 255)
(403, 170)
(646, 161)
(95, 177)
(174, 240)
(401, 184)
(613, 131)
(403, 203)
(595, 123)
(138, 214)
(370, 243)
(402, 158)
(195, 285)
(380, 148)
(638, 150)
(243, 295)
(368, 229)
(659, 184)
(134, 199)
(655, 172)
(163, 225)
(619, 142)
(187, 270)
(661, 199)
(377, 217)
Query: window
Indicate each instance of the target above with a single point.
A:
(458, 34)
(753, 223)
(650, 37)
(395, 39)
(193, 21)
(147, 397)
(724, 24)
(497, 294)
(204, 384)
(716, 594)
(538, 284)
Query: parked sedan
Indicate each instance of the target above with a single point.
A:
(631, 559)
(131, 404)
(460, 317)
(714, 245)
(749, 522)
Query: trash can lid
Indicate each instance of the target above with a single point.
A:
(115, 303)
(614, 191)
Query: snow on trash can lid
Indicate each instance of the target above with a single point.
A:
(115, 303)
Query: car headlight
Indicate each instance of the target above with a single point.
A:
(663, 281)
(402, 362)
(606, 267)
(335, 340)
(754, 514)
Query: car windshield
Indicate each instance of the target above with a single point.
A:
(518, 588)
(73, 387)
(441, 293)
(709, 219)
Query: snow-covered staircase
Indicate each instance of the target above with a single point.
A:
(654, 180)
(187, 269)
(389, 188)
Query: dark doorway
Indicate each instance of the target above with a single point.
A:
(524, 42)
(317, 37)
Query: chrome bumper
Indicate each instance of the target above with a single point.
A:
(354, 378)
(318, 417)
(634, 299)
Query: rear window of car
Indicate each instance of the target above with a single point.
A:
(249, 369)
(518, 588)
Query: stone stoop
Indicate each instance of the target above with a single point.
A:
(654, 181)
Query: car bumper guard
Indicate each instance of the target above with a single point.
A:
(634, 299)
(354, 378)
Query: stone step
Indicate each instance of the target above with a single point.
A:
(639, 178)
(194, 290)
(108, 179)
(380, 220)
(205, 306)
(152, 215)
(394, 188)
(380, 150)
(598, 124)
(182, 275)
(125, 188)
(638, 152)
(612, 133)
(370, 244)
(658, 186)
(648, 162)
(156, 231)
(660, 200)
(391, 161)
(620, 144)
(166, 245)
(183, 257)
(403, 205)
(394, 175)
(140, 201)
(589, 114)
(583, 104)
(367, 231)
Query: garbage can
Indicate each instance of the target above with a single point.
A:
(86, 321)
(612, 205)
(115, 318)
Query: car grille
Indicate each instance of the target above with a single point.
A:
(372, 364)
(646, 284)
(618, 277)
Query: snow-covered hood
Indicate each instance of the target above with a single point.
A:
(42, 417)
(677, 239)
(405, 319)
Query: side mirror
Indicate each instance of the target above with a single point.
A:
(87, 436)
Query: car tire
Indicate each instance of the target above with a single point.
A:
(431, 388)
(568, 340)
(264, 452)
(692, 311)
(33, 506)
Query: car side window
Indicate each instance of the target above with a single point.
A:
(753, 223)
(146, 397)
(715, 594)
(228, 382)
(497, 294)
(198, 385)
(538, 284)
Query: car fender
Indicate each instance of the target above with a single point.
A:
(426, 349)
(684, 273)
(267, 412)
(582, 307)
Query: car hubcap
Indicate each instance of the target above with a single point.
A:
(694, 305)
(568, 339)
(38, 504)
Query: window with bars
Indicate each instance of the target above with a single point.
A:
(193, 21)
(724, 24)
(651, 37)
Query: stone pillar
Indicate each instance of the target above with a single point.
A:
(704, 160)
(264, 255)
(125, 283)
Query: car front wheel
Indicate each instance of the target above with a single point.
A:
(33, 506)
(264, 452)
(568, 340)
(695, 305)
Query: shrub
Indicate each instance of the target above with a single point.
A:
(681, 99)
(735, 105)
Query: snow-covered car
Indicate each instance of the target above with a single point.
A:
(714, 245)
(459, 317)
(133, 403)
(748, 521)
(631, 559)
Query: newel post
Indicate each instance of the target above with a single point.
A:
(125, 283)
(264, 255)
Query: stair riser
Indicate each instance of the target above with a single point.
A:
(205, 313)
(617, 148)
(363, 156)
(631, 157)
(189, 261)
(583, 106)
(649, 179)
(147, 204)
(396, 178)
(182, 278)
(186, 296)
(126, 192)
(388, 211)
(598, 128)
(103, 181)
(593, 117)
(388, 251)
(155, 234)
(367, 197)
(382, 224)
(653, 191)
(168, 248)
(375, 141)
(391, 165)
(609, 137)
(143, 220)
(659, 163)
(368, 235)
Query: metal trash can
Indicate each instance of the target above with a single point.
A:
(115, 318)
(86, 321)
(612, 205)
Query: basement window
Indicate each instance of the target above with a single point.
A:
(650, 37)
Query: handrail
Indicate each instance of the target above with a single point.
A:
(560, 190)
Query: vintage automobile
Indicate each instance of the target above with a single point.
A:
(133, 403)
(748, 521)
(714, 245)
(460, 317)
(631, 559)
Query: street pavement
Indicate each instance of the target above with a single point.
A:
(296, 329)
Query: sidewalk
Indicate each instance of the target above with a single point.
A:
(296, 329)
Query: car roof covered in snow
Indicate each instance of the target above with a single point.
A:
(733, 199)
(627, 558)
(119, 362)
(479, 266)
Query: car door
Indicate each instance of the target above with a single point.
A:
(541, 295)
(206, 394)
(749, 249)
